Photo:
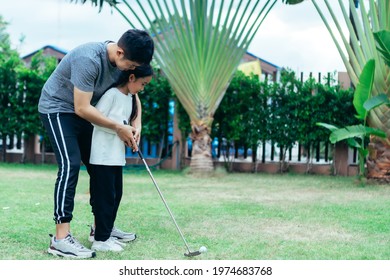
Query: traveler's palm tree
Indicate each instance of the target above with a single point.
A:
(199, 45)
(356, 47)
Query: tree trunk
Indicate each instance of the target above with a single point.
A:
(182, 146)
(29, 150)
(254, 158)
(43, 151)
(201, 160)
(4, 149)
(378, 160)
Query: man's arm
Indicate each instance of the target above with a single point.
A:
(84, 109)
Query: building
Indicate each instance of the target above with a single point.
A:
(48, 50)
(269, 71)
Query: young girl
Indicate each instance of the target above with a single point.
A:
(108, 157)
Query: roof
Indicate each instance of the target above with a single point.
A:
(64, 52)
(263, 60)
(57, 49)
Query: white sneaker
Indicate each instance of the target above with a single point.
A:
(120, 235)
(109, 245)
(69, 247)
(123, 236)
(123, 245)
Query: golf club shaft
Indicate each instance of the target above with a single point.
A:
(162, 198)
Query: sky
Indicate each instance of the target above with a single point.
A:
(293, 37)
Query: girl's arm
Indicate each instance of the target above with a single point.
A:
(137, 123)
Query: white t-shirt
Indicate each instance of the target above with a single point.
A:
(107, 148)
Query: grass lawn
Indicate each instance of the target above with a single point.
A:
(236, 216)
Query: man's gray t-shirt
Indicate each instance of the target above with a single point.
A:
(86, 67)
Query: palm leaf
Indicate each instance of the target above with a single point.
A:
(197, 53)
(292, 2)
(98, 3)
(363, 89)
(331, 127)
(376, 101)
(383, 41)
(354, 131)
(350, 141)
(355, 40)
(354, 144)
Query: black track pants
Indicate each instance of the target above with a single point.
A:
(107, 188)
(70, 137)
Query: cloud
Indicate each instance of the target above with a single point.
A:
(291, 36)
(295, 37)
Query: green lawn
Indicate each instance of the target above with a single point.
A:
(236, 216)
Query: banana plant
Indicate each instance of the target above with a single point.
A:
(363, 102)
(355, 35)
(199, 45)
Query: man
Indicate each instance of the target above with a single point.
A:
(66, 107)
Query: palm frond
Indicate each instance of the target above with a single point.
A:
(199, 44)
(354, 131)
(364, 89)
(383, 41)
(98, 3)
(292, 2)
(355, 41)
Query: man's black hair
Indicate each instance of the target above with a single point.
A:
(137, 45)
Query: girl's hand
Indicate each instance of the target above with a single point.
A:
(137, 135)
(128, 136)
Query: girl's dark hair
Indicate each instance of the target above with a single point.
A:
(145, 70)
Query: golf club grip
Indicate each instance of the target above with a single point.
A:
(139, 151)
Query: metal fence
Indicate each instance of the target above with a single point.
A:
(318, 153)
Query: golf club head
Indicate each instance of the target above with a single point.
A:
(192, 254)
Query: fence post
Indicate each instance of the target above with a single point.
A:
(326, 151)
(299, 152)
(263, 152)
(341, 159)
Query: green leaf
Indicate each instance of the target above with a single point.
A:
(382, 39)
(363, 152)
(292, 2)
(354, 131)
(353, 143)
(331, 127)
(99, 3)
(364, 88)
(376, 101)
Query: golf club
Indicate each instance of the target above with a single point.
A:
(189, 253)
